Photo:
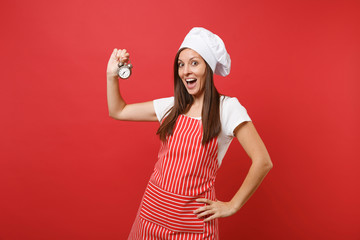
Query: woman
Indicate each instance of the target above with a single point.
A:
(197, 127)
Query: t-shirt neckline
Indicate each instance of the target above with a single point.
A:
(198, 118)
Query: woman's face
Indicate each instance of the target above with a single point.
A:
(192, 71)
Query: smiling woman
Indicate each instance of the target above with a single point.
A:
(196, 94)
(192, 71)
(196, 128)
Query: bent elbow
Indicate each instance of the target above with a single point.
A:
(114, 116)
(111, 115)
(268, 164)
(264, 163)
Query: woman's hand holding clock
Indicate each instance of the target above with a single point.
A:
(117, 56)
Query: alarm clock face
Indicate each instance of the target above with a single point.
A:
(124, 72)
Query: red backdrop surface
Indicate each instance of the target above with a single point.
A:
(69, 171)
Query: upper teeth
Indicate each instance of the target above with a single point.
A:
(191, 79)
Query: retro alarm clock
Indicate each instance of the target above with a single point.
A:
(124, 70)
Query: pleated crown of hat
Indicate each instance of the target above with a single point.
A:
(210, 47)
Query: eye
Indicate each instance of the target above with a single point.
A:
(180, 64)
(194, 63)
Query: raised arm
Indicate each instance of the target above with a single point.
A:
(118, 109)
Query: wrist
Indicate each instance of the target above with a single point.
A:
(234, 205)
(111, 76)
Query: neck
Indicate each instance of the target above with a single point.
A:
(198, 100)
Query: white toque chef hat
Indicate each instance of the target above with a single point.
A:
(210, 47)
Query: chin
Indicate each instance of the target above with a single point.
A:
(192, 93)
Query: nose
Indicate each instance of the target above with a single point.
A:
(187, 69)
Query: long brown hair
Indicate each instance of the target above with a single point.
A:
(210, 115)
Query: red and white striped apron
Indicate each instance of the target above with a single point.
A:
(185, 171)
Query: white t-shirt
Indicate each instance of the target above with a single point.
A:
(232, 113)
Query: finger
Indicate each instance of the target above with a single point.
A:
(123, 51)
(113, 54)
(118, 54)
(122, 55)
(126, 57)
(201, 209)
(208, 212)
(212, 217)
(204, 200)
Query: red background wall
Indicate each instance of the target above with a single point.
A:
(69, 171)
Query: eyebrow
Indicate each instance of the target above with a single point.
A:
(189, 59)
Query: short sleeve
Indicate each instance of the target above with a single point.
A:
(162, 106)
(233, 114)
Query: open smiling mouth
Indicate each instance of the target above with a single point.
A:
(191, 82)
